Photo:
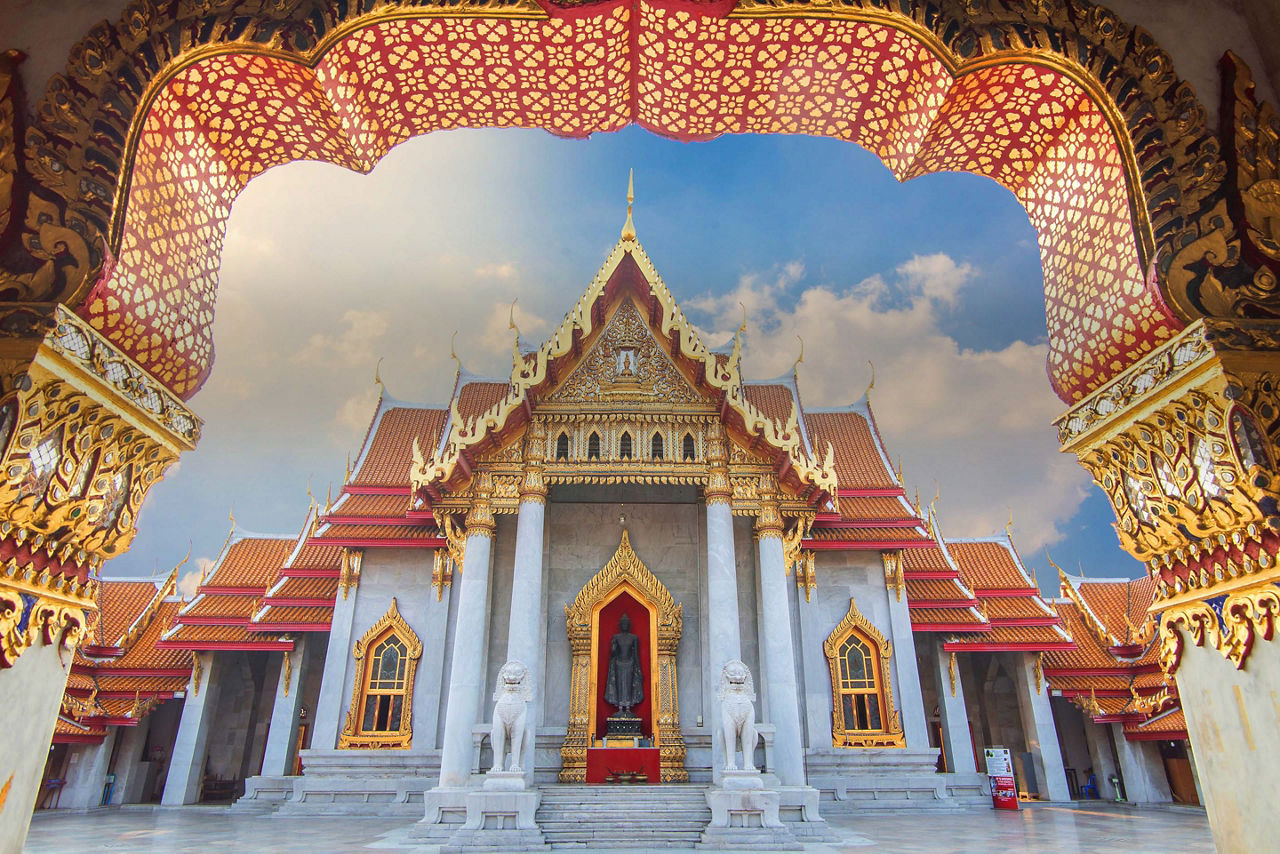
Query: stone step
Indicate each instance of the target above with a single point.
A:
(620, 817)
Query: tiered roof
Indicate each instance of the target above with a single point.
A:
(119, 674)
(1114, 673)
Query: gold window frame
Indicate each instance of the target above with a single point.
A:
(353, 737)
(890, 735)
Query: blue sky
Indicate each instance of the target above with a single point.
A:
(937, 281)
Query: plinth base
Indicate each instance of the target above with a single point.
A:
(746, 819)
(623, 725)
(499, 821)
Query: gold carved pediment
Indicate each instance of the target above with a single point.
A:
(626, 365)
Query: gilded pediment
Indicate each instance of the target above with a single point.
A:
(626, 366)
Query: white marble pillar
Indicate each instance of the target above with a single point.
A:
(87, 774)
(907, 691)
(956, 740)
(131, 767)
(1142, 769)
(724, 632)
(186, 766)
(282, 732)
(525, 629)
(1101, 757)
(777, 653)
(335, 686)
(467, 670)
(1038, 727)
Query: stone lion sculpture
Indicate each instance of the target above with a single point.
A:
(737, 696)
(511, 698)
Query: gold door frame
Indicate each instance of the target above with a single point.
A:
(624, 571)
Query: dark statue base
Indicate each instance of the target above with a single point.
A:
(622, 724)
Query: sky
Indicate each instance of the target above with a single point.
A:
(326, 272)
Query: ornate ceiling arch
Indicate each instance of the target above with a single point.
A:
(118, 202)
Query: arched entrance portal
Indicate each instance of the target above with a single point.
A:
(115, 201)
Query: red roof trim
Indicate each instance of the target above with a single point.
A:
(1026, 621)
(310, 573)
(868, 545)
(931, 575)
(967, 628)
(351, 489)
(366, 543)
(293, 627)
(300, 602)
(207, 620)
(71, 738)
(103, 721)
(872, 492)
(132, 671)
(231, 591)
(104, 651)
(1173, 735)
(129, 695)
(942, 603)
(1006, 592)
(362, 520)
(1101, 671)
(859, 522)
(988, 646)
(230, 646)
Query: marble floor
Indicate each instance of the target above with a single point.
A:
(1042, 828)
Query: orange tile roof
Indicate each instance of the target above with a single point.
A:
(1089, 654)
(871, 534)
(1170, 722)
(988, 565)
(142, 654)
(214, 605)
(208, 634)
(1121, 606)
(145, 685)
(378, 532)
(388, 455)
(119, 605)
(858, 463)
(925, 590)
(251, 562)
(478, 396)
(1082, 684)
(944, 616)
(1015, 608)
(293, 614)
(1023, 636)
(925, 560)
(379, 506)
(315, 556)
(65, 727)
(874, 507)
(772, 399)
(307, 588)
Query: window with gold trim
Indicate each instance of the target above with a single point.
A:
(381, 713)
(862, 713)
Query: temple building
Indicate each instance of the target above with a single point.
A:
(662, 545)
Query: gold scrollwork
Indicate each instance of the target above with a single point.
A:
(389, 625)
(26, 619)
(1245, 617)
(349, 571)
(844, 733)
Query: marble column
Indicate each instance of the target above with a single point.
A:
(186, 767)
(131, 765)
(87, 774)
(282, 732)
(335, 686)
(907, 691)
(1102, 758)
(1038, 727)
(526, 630)
(467, 670)
(777, 654)
(957, 743)
(724, 635)
(1141, 769)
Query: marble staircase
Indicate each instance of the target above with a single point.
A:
(670, 816)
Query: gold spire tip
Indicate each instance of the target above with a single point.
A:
(629, 227)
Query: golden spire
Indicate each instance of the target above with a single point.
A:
(799, 358)
(377, 374)
(629, 227)
(872, 384)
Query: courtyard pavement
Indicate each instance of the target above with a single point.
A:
(1091, 827)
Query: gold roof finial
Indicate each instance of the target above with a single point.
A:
(511, 324)
(231, 514)
(799, 358)
(377, 373)
(872, 384)
(1008, 526)
(629, 227)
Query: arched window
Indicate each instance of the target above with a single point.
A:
(624, 447)
(562, 446)
(655, 446)
(862, 713)
(381, 713)
(688, 452)
(593, 446)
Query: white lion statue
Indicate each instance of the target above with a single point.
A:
(511, 698)
(737, 696)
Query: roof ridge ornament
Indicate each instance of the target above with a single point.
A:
(629, 227)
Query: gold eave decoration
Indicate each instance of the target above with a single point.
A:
(891, 735)
(450, 468)
(624, 570)
(351, 736)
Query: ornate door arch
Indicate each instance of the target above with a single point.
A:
(624, 571)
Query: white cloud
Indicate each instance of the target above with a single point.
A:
(190, 580)
(498, 337)
(505, 271)
(356, 342)
(979, 422)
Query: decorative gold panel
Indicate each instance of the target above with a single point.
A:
(390, 623)
(841, 736)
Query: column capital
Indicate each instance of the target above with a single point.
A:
(769, 519)
(480, 521)
(533, 487)
(719, 490)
